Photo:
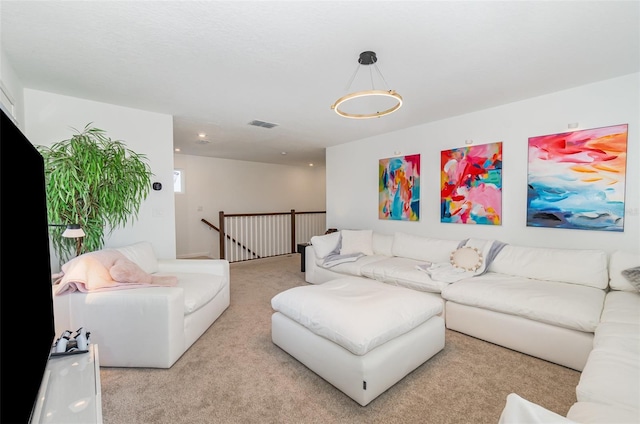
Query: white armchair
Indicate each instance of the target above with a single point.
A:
(152, 326)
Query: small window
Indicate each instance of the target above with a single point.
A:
(178, 181)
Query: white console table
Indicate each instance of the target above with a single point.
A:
(70, 390)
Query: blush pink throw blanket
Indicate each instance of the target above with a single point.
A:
(106, 269)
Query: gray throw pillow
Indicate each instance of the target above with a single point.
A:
(633, 276)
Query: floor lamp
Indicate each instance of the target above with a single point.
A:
(72, 231)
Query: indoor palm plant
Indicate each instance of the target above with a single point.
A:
(95, 182)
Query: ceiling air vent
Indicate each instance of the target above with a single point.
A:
(262, 124)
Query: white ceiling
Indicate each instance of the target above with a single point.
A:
(217, 65)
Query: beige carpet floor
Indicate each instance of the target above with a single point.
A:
(235, 374)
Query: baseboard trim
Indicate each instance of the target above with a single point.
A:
(195, 255)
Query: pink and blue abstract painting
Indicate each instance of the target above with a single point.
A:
(576, 180)
(471, 185)
(399, 188)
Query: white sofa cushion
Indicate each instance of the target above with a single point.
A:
(565, 305)
(382, 244)
(357, 313)
(576, 266)
(142, 254)
(402, 272)
(618, 262)
(599, 413)
(422, 248)
(621, 307)
(198, 288)
(618, 337)
(610, 376)
(325, 244)
(356, 241)
(352, 268)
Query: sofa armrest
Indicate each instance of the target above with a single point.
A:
(142, 327)
(309, 263)
(208, 266)
(520, 410)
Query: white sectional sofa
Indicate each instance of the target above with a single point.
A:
(149, 327)
(609, 387)
(388, 258)
(568, 306)
(543, 302)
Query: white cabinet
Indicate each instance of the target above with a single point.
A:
(70, 390)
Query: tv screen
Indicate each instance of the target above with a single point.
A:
(27, 328)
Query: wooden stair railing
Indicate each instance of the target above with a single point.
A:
(209, 224)
(268, 234)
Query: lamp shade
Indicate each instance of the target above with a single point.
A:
(73, 231)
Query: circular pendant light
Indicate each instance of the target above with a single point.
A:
(368, 58)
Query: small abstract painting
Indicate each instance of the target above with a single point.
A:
(471, 185)
(576, 180)
(399, 188)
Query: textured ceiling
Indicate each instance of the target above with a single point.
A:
(217, 65)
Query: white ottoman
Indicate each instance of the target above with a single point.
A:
(360, 335)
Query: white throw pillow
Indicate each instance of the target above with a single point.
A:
(357, 241)
(325, 244)
(142, 254)
(467, 257)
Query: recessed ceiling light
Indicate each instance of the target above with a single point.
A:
(202, 135)
(176, 150)
(283, 153)
(310, 164)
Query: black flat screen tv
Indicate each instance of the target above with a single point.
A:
(27, 328)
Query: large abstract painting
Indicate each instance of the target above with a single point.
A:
(576, 180)
(399, 188)
(471, 185)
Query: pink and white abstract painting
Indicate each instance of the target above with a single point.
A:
(471, 185)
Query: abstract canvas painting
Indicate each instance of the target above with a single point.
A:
(399, 188)
(576, 180)
(471, 185)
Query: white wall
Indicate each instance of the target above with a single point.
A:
(213, 185)
(12, 86)
(172, 221)
(352, 169)
(50, 117)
